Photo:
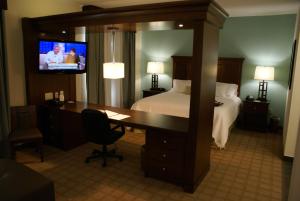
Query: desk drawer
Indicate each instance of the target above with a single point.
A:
(165, 156)
(159, 139)
(173, 173)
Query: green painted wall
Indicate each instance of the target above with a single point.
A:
(160, 46)
(265, 40)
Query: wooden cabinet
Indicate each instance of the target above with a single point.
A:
(49, 124)
(164, 155)
(255, 115)
(150, 92)
(62, 129)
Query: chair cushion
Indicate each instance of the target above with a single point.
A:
(23, 135)
(19, 183)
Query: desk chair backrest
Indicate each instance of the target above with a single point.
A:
(97, 126)
(23, 117)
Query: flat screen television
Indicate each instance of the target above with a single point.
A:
(62, 56)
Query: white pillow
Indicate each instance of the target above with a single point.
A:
(181, 86)
(226, 90)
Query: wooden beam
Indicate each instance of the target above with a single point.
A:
(174, 11)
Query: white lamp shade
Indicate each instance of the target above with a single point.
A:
(155, 67)
(264, 73)
(113, 70)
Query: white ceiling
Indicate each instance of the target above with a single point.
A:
(235, 8)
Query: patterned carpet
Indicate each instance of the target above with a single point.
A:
(249, 169)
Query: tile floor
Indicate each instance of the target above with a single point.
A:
(248, 169)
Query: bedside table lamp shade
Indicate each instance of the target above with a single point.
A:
(263, 73)
(155, 68)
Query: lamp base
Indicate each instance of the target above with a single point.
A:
(262, 91)
(154, 81)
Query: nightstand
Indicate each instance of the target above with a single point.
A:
(150, 92)
(255, 115)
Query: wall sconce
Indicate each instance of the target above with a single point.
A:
(263, 73)
(113, 70)
(155, 68)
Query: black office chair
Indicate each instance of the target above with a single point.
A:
(98, 130)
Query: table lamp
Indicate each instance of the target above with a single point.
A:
(263, 73)
(155, 68)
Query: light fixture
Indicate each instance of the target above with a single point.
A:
(180, 25)
(155, 68)
(263, 73)
(63, 31)
(113, 70)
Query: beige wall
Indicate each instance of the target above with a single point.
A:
(292, 109)
(294, 193)
(14, 40)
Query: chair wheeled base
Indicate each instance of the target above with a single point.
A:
(103, 154)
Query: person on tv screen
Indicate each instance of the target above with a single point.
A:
(72, 57)
(54, 56)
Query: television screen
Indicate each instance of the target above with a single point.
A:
(65, 57)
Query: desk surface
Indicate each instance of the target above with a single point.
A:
(137, 119)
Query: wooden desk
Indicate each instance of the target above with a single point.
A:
(163, 155)
(137, 119)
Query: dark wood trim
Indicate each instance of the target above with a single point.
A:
(3, 4)
(174, 11)
(37, 83)
(90, 7)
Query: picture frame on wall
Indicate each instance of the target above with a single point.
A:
(292, 64)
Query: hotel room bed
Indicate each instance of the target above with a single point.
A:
(177, 103)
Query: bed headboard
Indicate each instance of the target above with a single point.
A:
(229, 69)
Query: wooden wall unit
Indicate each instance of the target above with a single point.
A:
(205, 17)
(37, 84)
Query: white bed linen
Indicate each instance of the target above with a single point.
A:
(178, 104)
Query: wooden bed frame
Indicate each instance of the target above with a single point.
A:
(229, 69)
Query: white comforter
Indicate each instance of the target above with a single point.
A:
(178, 104)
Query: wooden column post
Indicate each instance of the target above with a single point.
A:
(204, 73)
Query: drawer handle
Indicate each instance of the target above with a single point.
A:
(164, 155)
(163, 169)
(165, 141)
